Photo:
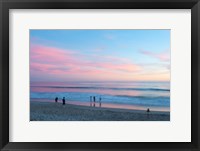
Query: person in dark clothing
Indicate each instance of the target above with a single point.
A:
(63, 100)
(94, 101)
(148, 110)
(100, 102)
(56, 99)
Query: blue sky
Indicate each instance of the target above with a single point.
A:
(146, 50)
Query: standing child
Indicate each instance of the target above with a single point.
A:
(63, 100)
(56, 99)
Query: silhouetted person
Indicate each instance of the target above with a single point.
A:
(56, 99)
(63, 100)
(148, 110)
(100, 102)
(94, 101)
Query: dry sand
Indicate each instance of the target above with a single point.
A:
(50, 111)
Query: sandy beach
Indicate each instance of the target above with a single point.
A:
(50, 111)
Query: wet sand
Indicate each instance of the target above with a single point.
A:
(108, 105)
(50, 111)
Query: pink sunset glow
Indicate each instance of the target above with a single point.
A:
(64, 64)
(84, 55)
(164, 56)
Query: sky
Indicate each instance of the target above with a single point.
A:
(99, 55)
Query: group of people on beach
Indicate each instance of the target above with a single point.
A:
(63, 100)
(93, 101)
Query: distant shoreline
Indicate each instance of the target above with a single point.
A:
(50, 111)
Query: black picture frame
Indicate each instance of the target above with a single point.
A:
(5, 5)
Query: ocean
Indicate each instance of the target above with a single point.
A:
(120, 94)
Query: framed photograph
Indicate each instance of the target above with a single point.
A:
(97, 75)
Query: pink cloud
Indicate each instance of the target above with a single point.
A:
(163, 56)
(119, 67)
(67, 63)
(49, 54)
(41, 67)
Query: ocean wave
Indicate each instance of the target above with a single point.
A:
(136, 89)
(144, 97)
(85, 97)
